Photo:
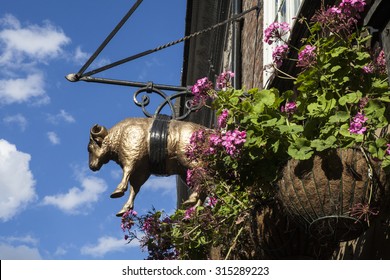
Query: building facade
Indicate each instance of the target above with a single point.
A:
(238, 46)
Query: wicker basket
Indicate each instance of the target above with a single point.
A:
(322, 191)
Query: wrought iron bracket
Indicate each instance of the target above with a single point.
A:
(148, 89)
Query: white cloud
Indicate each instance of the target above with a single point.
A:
(163, 185)
(53, 138)
(18, 90)
(18, 252)
(80, 57)
(62, 116)
(60, 251)
(17, 185)
(28, 239)
(78, 200)
(105, 245)
(33, 42)
(22, 49)
(17, 119)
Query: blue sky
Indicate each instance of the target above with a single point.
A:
(51, 205)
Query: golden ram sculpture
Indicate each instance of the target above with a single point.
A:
(141, 146)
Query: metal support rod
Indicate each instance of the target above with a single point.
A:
(108, 38)
(76, 77)
(131, 84)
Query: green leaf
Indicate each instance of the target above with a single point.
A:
(386, 162)
(335, 68)
(374, 109)
(338, 51)
(290, 129)
(275, 146)
(265, 96)
(300, 149)
(321, 145)
(384, 99)
(380, 142)
(362, 55)
(258, 108)
(339, 117)
(234, 100)
(352, 97)
(380, 84)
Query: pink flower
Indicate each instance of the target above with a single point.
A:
(222, 119)
(357, 124)
(200, 90)
(211, 201)
(189, 213)
(307, 57)
(223, 80)
(148, 224)
(275, 31)
(279, 53)
(232, 141)
(388, 149)
(334, 11)
(363, 102)
(289, 108)
(351, 7)
(369, 68)
(381, 62)
(195, 177)
(197, 140)
(215, 139)
(341, 18)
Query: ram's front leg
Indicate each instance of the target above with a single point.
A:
(122, 186)
(135, 186)
(130, 202)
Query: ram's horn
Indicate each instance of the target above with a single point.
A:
(98, 133)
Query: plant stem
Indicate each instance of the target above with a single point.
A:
(234, 243)
(288, 76)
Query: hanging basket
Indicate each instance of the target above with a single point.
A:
(325, 192)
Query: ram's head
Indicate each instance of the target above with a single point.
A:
(97, 155)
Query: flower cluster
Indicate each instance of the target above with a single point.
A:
(196, 177)
(307, 57)
(189, 213)
(223, 80)
(352, 7)
(232, 141)
(211, 201)
(275, 32)
(357, 124)
(198, 143)
(222, 119)
(340, 19)
(154, 227)
(289, 108)
(280, 53)
(127, 223)
(200, 90)
(377, 65)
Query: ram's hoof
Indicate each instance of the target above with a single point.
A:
(192, 200)
(117, 193)
(120, 213)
